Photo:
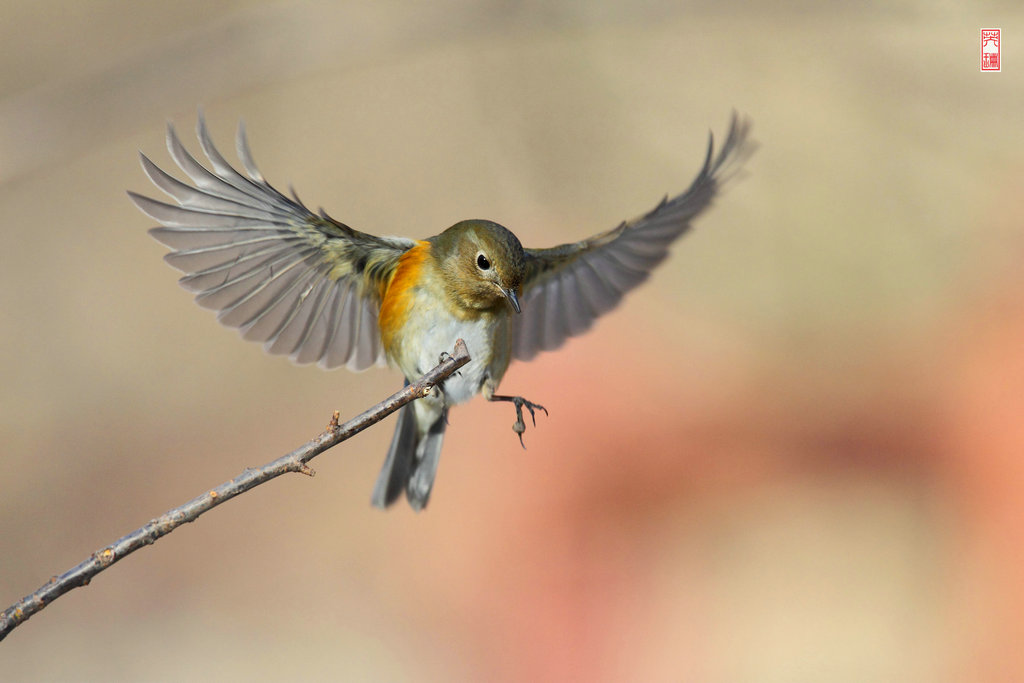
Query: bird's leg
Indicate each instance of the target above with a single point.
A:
(519, 402)
(439, 388)
(445, 356)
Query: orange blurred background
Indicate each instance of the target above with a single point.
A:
(797, 453)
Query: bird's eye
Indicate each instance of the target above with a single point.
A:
(482, 263)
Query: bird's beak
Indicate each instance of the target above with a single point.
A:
(510, 294)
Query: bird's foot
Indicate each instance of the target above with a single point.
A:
(519, 402)
(445, 356)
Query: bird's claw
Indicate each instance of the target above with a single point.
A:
(519, 426)
(532, 407)
(445, 356)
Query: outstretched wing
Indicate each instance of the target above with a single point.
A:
(304, 284)
(567, 287)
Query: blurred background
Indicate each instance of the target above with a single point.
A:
(796, 454)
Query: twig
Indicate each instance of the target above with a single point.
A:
(251, 477)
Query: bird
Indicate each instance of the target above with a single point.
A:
(311, 287)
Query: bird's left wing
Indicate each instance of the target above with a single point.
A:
(567, 287)
(304, 284)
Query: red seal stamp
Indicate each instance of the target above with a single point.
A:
(991, 41)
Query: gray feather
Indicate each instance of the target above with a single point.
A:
(298, 282)
(567, 287)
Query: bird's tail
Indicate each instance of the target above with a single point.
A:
(412, 461)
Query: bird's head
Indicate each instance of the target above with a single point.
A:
(482, 264)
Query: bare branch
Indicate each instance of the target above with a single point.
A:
(251, 477)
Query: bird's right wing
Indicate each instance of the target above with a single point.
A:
(304, 284)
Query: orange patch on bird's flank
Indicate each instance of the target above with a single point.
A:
(396, 301)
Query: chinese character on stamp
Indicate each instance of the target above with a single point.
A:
(990, 43)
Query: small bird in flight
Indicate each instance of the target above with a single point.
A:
(313, 288)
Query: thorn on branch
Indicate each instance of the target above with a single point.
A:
(105, 557)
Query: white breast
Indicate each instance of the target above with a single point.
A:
(441, 337)
(436, 334)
